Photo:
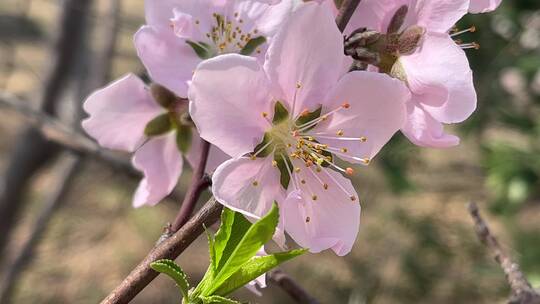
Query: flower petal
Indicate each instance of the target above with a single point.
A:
(424, 131)
(311, 58)
(376, 112)
(438, 16)
(374, 14)
(440, 79)
(168, 59)
(248, 186)
(119, 113)
(161, 163)
(215, 157)
(228, 95)
(483, 6)
(319, 218)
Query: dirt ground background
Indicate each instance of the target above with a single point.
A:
(417, 246)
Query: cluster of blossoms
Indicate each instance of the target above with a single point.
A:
(287, 103)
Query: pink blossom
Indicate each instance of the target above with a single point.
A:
(434, 67)
(177, 28)
(267, 118)
(119, 115)
(483, 6)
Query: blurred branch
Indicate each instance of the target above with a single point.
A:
(346, 10)
(522, 291)
(32, 150)
(59, 133)
(65, 172)
(292, 288)
(169, 248)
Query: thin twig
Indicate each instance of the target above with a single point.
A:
(198, 184)
(346, 10)
(170, 248)
(293, 289)
(522, 291)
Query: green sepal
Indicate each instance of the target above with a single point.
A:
(251, 45)
(255, 237)
(264, 153)
(174, 271)
(308, 117)
(203, 50)
(162, 95)
(280, 113)
(255, 268)
(218, 300)
(183, 138)
(284, 176)
(159, 125)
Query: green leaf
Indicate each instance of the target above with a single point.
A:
(309, 116)
(159, 125)
(284, 177)
(203, 50)
(255, 268)
(233, 228)
(174, 271)
(266, 151)
(280, 113)
(251, 45)
(183, 138)
(255, 237)
(217, 300)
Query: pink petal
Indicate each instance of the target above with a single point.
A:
(374, 14)
(215, 157)
(301, 55)
(424, 131)
(168, 59)
(228, 95)
(438, 16)
(440, 79)
(233, 186)
(330, 221)
(119, 113)
(161, 163)
(182, 24)
(483, 6)
(160, 12)
(376, 112)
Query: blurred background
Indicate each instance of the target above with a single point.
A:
(416, 245)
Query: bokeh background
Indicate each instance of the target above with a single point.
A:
(416, 245)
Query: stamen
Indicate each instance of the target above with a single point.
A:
(262, 149)
(255, 183)
(308, 219)
(471, 29)
(472, 45)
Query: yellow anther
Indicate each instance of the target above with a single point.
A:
(353, 198)
(320, 161)
(363, 139)
(340, 132)
(264, 114)
(325, 186)
(253, 157)
(318, 169)
(274, 163)
(298, 85)
(344, 150)
(314, 197)
(303, 181)
(366, 161)
(255, 183)
(346, 105)
(297, 170)
(308, 219)
(197, 22)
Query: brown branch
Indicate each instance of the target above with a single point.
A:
(293, 289)
(170, 248)
(346, 10)
(198, 184)
(522, 291)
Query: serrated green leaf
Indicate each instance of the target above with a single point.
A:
(255, 268)
(251, 45)
(183, 138)
(308, 117)
(174, 271)
(203, 50)
(284, 176)
(280, 113)
(159, 125)
(255, 237)
(218, 300)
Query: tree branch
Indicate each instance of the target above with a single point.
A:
(522, 291)
(169, 248)
(346, 10)
(198, 184)
(295, 291)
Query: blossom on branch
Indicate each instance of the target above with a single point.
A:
(288, 122)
